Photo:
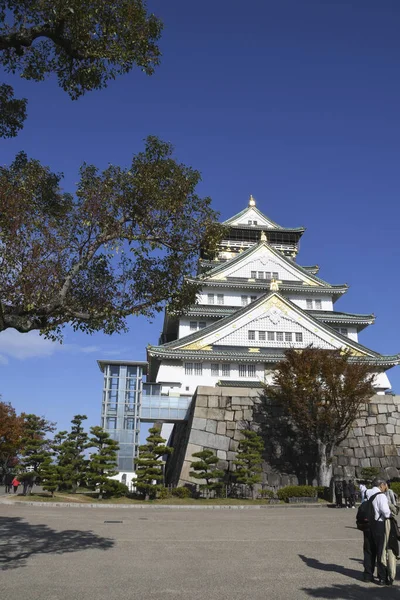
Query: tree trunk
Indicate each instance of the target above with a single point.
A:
(324, 464)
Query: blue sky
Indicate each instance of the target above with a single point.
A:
(294, 102)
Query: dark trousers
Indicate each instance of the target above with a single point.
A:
(373, 546)
(352, 500)
(339, 500)
(7, 488)
(15, 489)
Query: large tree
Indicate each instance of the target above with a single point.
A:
(321, 392)
(35, 446)
(11, 433)
(84, 43)
(123, 245)
(69, 449)
(103, 463)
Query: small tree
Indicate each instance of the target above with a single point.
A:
(322, 391)
(249, 459)
(149, 465)
(103, 463)
(35, 446)
(370, 473)
(206, 469)
(70, 447)
(50, 476)
(11, 431)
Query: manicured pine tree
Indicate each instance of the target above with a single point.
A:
(206, 469)
(249, 459)
(149, 465)
(103, 463)
(70, 449)
(50, 476)
(35, 447)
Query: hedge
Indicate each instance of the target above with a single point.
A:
(297, 491)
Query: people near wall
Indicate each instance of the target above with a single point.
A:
(345, 493)
(363, 489)
(339, 493)
(8, 483)
(376, 543)
(351, 488)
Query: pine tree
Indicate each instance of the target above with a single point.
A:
(103, 463)
(35, 447)
(205, 468)
(249, 459)
(70, 449)
(50, 476)
(149, 466)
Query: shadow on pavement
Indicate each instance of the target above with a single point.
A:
(354, 592)
(314, 563)
(19, 540)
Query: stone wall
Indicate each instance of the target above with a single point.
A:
(219, 413)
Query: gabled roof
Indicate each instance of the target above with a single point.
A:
(304, 274)
(202, 342)
(250, 211)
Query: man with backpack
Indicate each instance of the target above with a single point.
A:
(374, 511)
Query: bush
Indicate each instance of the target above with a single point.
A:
(296, 491)
(181, 492)
(163, 493)
(395, 486)
(116, 489)
(267, 494)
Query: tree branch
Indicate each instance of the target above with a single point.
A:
(25, 38)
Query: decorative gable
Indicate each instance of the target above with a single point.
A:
(271, 322)
(252, 216)
(262, 261)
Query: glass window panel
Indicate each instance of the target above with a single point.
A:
(226, 370)
(251, 334)
(129, 423)
(299, 337)
(111, 422)
(114, 370)
(145, 413)
(288, 336)
(164, 413)
(173, 413)
(279, 336)
(271, 336)
(193, 325)
(131, 371)
(261, 336)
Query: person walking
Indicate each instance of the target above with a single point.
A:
(338, 493)
(351, 488)
(374, 537)
(390, 495)
(15, 483)
(363, 489)
(345, 493)
(7, 483)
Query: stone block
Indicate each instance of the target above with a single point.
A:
(381, 429)
(343, 460)
(223, 402)
(360, 452)
(382, 418)
(228, 415)
(212, 413)
(365, 462)
(375, 462)
(357, 432)
(390, 428)
(221, 454)
(348, 452)
(223, 465)
(383, 408)
(372, 409)
(199, 423)
(191, 449)
(390, 450)
(360, 422)
(230, 433)
(247, 414)
(374, 440)
(239, 402)
(233, 445)
(354, 462)
(368, 451)
(231, 455)
(397, 429)
(349, 472)
(209, 440)
(370, 430)
(238, 415)
(213, 401)
(385, 439)
(238, 435)
(221, 428)
(393, 421)
(211, 426)
(371, 421)
(201, 401)
(396, 439)
(231, 425)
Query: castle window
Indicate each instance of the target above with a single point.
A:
(253, 274)
(252, 298)
(318, 305)
(260, 275)
(261, 336)
(193, 325)
(220, 298)
(188, 368)
(251, 370)
(279, 336)
(309, 304)
(275, 275)
(344, 331)
(198, 369)
(242, 371)
(226, 370)
(244, 300)
(210, 298)
(268, 274)
(299, 337)
(202, 324)
(215, 369)
(251, 334)
(271, 336)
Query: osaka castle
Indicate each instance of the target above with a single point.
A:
(255, 302)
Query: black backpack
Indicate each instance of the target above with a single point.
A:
(365, 514)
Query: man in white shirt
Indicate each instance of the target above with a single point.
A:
(374, 539)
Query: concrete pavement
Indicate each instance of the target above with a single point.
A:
(60, 553)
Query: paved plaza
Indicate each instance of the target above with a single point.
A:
(61, 553)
